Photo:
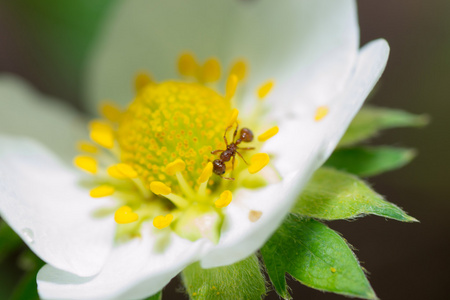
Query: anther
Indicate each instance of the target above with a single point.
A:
(187, 66)
(141, 80)
(258, 162)
(102, 134)
(233, 117)
(268, 134)
(239, 69)
(206, 174)
(110, 111)
(159, 188)
(203, 179)
(321, 113)
(88, 147)
(102, 191)
(211, 70)
(254, 215)
(224, 200)
(122, 171)
(231, 86)
(265, 89)
(125, 215)
(161, 222)
(176, 166)
(86, 163)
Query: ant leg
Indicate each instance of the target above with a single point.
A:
(225, 136)
(216, 151)
(250, 148)
(227, 178)
(242, 157)
(235, 131)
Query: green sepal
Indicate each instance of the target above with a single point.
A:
(369, 161)
(9, 240)
(371, 119)
(316, 256)
(333, 195)
(242, 280)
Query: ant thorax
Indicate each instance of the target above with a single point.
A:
(246, 136)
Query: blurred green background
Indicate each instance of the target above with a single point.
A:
(46, 43)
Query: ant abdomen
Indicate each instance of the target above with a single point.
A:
(245, 135)
(219, 167)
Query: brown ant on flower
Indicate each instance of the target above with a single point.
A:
(245, 135)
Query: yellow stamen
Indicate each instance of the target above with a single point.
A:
(110, 111)
(102, 191)
(102, 134)
(176, 166)
(142, 80)
(86, 163)
(211, 70)
(268, 134)
(239, 69)
(122, 171)
(265, 89)
(159, 188)
(206, 174)
(99, 125)
(233, 118)
(87, 147)
(125, 215)
(224, 200)
(257, 162)
(321, 113)
(187, 65)
(161, 222)
(204, 178)
(231, 86)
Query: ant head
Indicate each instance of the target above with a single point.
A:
(219, 167)
(246, 135)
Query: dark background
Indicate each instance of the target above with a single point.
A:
(46, 43)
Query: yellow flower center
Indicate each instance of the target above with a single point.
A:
(174, 157)
(169, 121)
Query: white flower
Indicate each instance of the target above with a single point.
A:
(309, 48)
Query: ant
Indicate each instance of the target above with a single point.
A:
(245, 135)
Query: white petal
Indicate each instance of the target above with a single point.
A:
(135, 270)
(150, 35)
(241, 237)
(23, 111)
(41, 201)
(279, 39)
(308, 47)
(304, 136)
(302, 146)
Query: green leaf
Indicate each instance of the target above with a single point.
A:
(242, 280)
(27, 286)
(316, 256)
(332, 195)
(369, 161)
(371, 119)
(157, 296)
(9, 240)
